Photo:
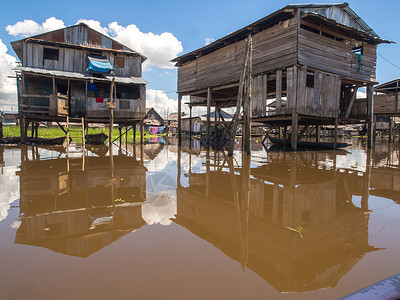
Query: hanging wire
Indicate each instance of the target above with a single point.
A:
(388, 61)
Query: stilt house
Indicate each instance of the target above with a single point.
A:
(307, 59)
(68, 72)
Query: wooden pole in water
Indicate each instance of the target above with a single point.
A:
(1, 126)
(111, 107)
(240, 96)
(179, 119)
(335, 134)
(134, 133)
(370, 113)
(208, 125)
(190, 123)
(390, 129)
(142, 132)
(22, 130)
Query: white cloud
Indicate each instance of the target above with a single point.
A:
(95, 25)
(208, 41)
(30, 27)
(158, 48)
(160, 102)
(361, 94)
(8, 86)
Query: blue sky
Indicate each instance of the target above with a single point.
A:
(191, 23)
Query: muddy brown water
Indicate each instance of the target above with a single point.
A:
(159, 221)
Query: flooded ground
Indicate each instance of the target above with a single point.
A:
(158, 221)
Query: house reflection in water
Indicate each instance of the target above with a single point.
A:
(291, 219)
(79, 212)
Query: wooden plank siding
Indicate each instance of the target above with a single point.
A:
(336, 57)
(274, 47)
(75, 60)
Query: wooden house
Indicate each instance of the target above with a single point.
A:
(69, 72)
(308, 59)
(153, 118)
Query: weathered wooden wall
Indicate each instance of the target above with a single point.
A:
(320, 99)
(75, 60)
(383, 105)
(326, 54)
(274, 47)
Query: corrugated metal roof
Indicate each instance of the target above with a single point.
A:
(80, 76)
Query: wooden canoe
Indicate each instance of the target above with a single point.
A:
(306, 144)
(96, 139)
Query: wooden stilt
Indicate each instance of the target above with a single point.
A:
(208, 125)
(317, 133)
(120, 135)
(374, 128)
(335, 134)
(294, 130)
(32, 129)
(1, 127)
(111, 107)
(134, 133)
(142, 132)
(370, 113)
(390, 129)
(239, 101)
(23, 130)
(179, 119)
(190, 122)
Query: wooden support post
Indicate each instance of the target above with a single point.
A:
(208, 181)
(335, 134)
(37, 130)
(22, 126)
(208, 125)
(390, 129)
(374, 128)
(120, 135)
(278, 92)
(284, 135)
(68, 141)
(179, 119)
(1, 127)
(370, 113)
(142, 132)
(110, 135)
(317, 133)
(32, 129)
(295, 120)
(239, 101)
(190, 123)
(134, 133)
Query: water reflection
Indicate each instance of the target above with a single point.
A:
(289, 220)
(75, 209)
(300, 220)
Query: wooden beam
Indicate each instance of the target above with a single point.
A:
(353, 98)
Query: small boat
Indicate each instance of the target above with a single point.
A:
(96, 139)
(44, 141)
(307, 144)
(33, 141)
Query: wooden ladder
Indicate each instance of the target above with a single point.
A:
(81, 136)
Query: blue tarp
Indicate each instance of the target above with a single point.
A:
(99, 64)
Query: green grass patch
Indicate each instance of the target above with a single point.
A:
(55, 131)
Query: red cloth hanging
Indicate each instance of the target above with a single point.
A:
(99, 100)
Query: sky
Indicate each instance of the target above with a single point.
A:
(163, 30)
